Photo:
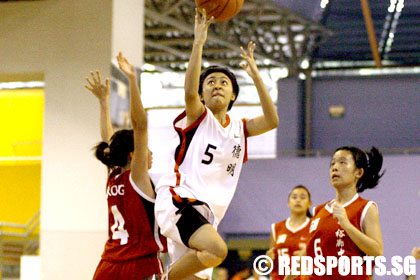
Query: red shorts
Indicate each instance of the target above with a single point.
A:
(136, 269)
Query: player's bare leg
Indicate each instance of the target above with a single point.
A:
(207, 250)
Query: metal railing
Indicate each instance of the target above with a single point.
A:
(17, 240)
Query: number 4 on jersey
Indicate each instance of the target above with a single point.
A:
(118, 231)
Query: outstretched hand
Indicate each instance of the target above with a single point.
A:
(416, 253)
(96, 87)
(125, 66)
(201, 26)
(251, 66)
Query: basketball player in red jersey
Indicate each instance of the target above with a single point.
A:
(290, 235)
(132, 249)
(348, 225)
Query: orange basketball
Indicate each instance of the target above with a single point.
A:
(221, 10)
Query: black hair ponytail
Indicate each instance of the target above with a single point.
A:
(371, 162)
(116, 154)
(101, 154)
(372, 172)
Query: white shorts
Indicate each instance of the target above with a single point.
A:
(167, 219)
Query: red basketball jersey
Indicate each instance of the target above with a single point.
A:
(287, 241)
(327, 238)
(132, 230)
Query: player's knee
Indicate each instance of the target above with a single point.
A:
(220, 250)
(209, 259)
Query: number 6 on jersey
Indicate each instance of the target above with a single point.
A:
(317, 248)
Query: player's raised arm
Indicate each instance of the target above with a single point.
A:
(101, 92)
(193, 106)
(140, 162)
(269, 120)
(416, 253)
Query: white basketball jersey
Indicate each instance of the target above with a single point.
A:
(207, 158)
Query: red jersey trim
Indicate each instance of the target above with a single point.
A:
(328, 205)
(362, 217)
(314, 210)
(294, 230)
(273, 231)
(139, 191)
(112, 174)
(246, 141)
(158, 241)
(160, 265)
(191, 126)
(227, 121)
(155, 228)
(183, 132)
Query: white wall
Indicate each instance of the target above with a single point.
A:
(65, 40)
(128, 30)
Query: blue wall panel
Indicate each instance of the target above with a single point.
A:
(380, 111)
(289, 111)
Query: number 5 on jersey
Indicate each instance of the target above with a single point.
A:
(209, 154)
(118, 231)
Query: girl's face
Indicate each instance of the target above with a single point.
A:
(299, 201)
(343, 171)
(217, 91)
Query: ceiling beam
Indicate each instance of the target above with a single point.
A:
(371, 32)
(206, 51)
(159, 30)
(175, 41)
(181, 54)
(189, 29)
(162, 47)
(172, 8)
(218, 61)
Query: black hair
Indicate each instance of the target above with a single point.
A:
(371, 162)
(122, 144)
(227, 72)
(308, 212)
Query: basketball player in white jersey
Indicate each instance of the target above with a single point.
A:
(208, 151)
